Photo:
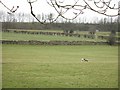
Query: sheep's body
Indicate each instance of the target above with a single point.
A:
(84, 60)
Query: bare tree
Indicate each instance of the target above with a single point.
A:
(77, 8)
(50, 17)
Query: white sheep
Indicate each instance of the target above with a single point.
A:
(84, 60)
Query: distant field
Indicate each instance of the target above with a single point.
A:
(98, 33)
(80, 32)
(38, 30)
(101, 33)
(31, 66)
(15, 36)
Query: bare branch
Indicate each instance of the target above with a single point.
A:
(102, 6)
(31, 8)
(107, 4)
(31, 1)
(12, 10)
(32, 13)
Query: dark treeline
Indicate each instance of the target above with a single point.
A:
(68, 26)
(25, 21)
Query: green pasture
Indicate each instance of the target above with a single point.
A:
(34, 66)
(47, 30)
(100, 33)
(20, 36)
(79, 32)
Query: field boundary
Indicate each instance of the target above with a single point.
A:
(35, 42)
(60, 34)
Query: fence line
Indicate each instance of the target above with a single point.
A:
(35, 42)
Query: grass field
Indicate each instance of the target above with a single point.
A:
(59, 66)
(49, 30)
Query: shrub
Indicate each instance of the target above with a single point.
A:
(111, 39)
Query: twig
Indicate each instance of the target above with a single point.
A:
(13, 10)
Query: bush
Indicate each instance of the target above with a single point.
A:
(111, 39)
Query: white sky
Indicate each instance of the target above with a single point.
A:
(41, 6)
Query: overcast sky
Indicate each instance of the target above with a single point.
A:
(41, 6)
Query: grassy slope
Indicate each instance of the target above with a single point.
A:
(60, 66)
(14, 36)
